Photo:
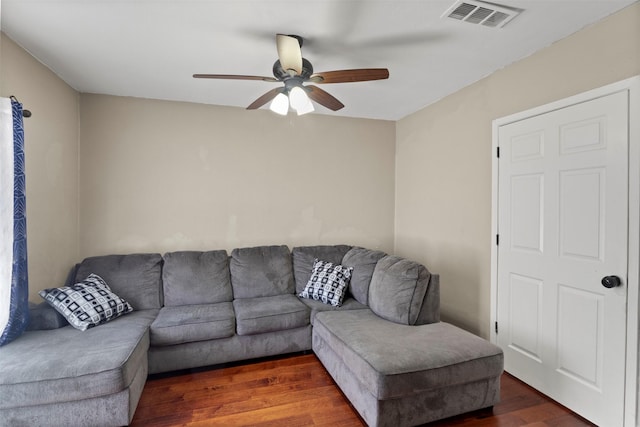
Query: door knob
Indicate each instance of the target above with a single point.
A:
(611, 281)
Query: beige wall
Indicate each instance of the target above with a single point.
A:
(165, 176)
(443, 157)
(51, 149)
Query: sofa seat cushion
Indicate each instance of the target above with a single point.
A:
(316, 307)
(269, 314)
(65, 364)
(190, 323)
(394, 360)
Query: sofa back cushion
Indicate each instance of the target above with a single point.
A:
(191, 277)
(137, 278)
(363, 262)
(262, 271)
(397, 290)
(304, 256)
(430, 311)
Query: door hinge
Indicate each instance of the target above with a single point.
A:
(496, 325)
(497, 239)
(498, 152)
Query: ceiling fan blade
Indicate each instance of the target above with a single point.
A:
(289, 53)
(348, 76)
(234, 77)
(265, 98)
(323, 98)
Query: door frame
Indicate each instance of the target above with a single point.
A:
(632, 85)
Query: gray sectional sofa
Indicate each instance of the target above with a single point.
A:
(384, 346)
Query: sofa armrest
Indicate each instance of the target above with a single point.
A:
(43, 317)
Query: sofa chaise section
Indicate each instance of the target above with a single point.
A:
(404, 375)
(396, 362)
(60, 376)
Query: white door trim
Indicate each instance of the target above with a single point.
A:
(632, 85)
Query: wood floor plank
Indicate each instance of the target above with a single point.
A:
(277, 415)
(297, 391)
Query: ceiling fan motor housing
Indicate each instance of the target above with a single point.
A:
(282, 74)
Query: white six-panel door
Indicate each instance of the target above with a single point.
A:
(563, 226)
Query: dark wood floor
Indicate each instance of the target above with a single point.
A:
(297, 391)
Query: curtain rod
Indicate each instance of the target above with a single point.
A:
(25, 113)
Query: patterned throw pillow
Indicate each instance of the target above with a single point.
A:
(86, 304)
(328, 283)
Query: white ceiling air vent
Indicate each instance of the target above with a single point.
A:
(479, 12)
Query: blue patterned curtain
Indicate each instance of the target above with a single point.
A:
(14, 287)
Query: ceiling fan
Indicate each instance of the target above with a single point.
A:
(293, 70)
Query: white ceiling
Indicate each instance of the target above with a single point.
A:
(151, 48)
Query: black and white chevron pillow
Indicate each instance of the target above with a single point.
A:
(328, 283)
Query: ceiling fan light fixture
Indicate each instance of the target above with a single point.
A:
(297, 97)
(306, 108)
(300, 101)
(280, 104)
